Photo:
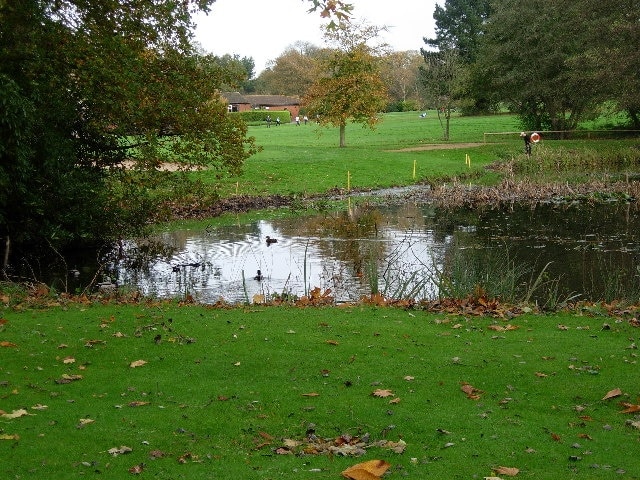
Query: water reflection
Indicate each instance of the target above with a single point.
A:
(398, 250)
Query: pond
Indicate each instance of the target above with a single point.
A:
(409, 250)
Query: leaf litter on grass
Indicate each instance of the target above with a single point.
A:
(475, 368)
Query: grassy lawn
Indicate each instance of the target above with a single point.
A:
(307, 159)
(242, 393)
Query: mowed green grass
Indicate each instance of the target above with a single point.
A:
(306, 159)
(222, 389)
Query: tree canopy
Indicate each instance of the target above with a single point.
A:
(87, 85)
(349, 86)
(554, 63)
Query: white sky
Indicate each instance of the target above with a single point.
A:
(242, 26)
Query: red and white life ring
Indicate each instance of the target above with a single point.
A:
(535, 137)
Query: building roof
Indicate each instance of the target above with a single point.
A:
(234, 97)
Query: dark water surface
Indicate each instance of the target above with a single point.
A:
(399, 250)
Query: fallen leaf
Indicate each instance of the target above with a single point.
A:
(397, 447)
(471, 392)
(382, 393)
(510, 471)
(138, 403)
(332, 342)
(16, 414)
(137, 469)
(371, 470)
(541, 375)
(68, 360)
(630, 407)
(84, 422)
(66, 378)
(4, 343)
(616, 392)
(409, 378)
(6, 436)
(115, 451)
(395, 400)
(312, 394)
(187, 456)
(137, 363)
(39, 406)
(563, 327)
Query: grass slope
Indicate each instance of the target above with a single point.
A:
(307, 159)
(222, 389)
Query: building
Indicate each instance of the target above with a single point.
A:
(238, 102)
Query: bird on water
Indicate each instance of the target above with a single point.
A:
(271, 240)
(259, 276)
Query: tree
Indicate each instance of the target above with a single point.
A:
(530, 59)
(400, 71)
(87, 85)
(349, 87)
(611, 55)
(292, 73)
(459, 25)
(442, 76)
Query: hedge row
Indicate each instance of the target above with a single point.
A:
(260, 116)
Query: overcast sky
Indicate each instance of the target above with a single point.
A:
(263, 29)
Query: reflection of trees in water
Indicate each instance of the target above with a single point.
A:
(342, 236)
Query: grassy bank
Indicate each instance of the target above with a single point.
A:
(103, 391)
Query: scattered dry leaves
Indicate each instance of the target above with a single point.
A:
(137, 363)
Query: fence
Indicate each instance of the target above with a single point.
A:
(501, 137)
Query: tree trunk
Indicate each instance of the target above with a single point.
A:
(342, 141)
(5, 260)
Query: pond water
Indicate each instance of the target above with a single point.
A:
(404, 250)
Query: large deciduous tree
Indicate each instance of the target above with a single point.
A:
(611, 55)
(555, 63)
(401, 73)
(349, 86)
(85, 85)
(292, 73)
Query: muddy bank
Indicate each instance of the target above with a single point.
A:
(449, 195)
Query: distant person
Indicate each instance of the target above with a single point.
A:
(277, 121)
(268, 121)
(297, 120)
(423, 115)
(527, 143)
(305, 119)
